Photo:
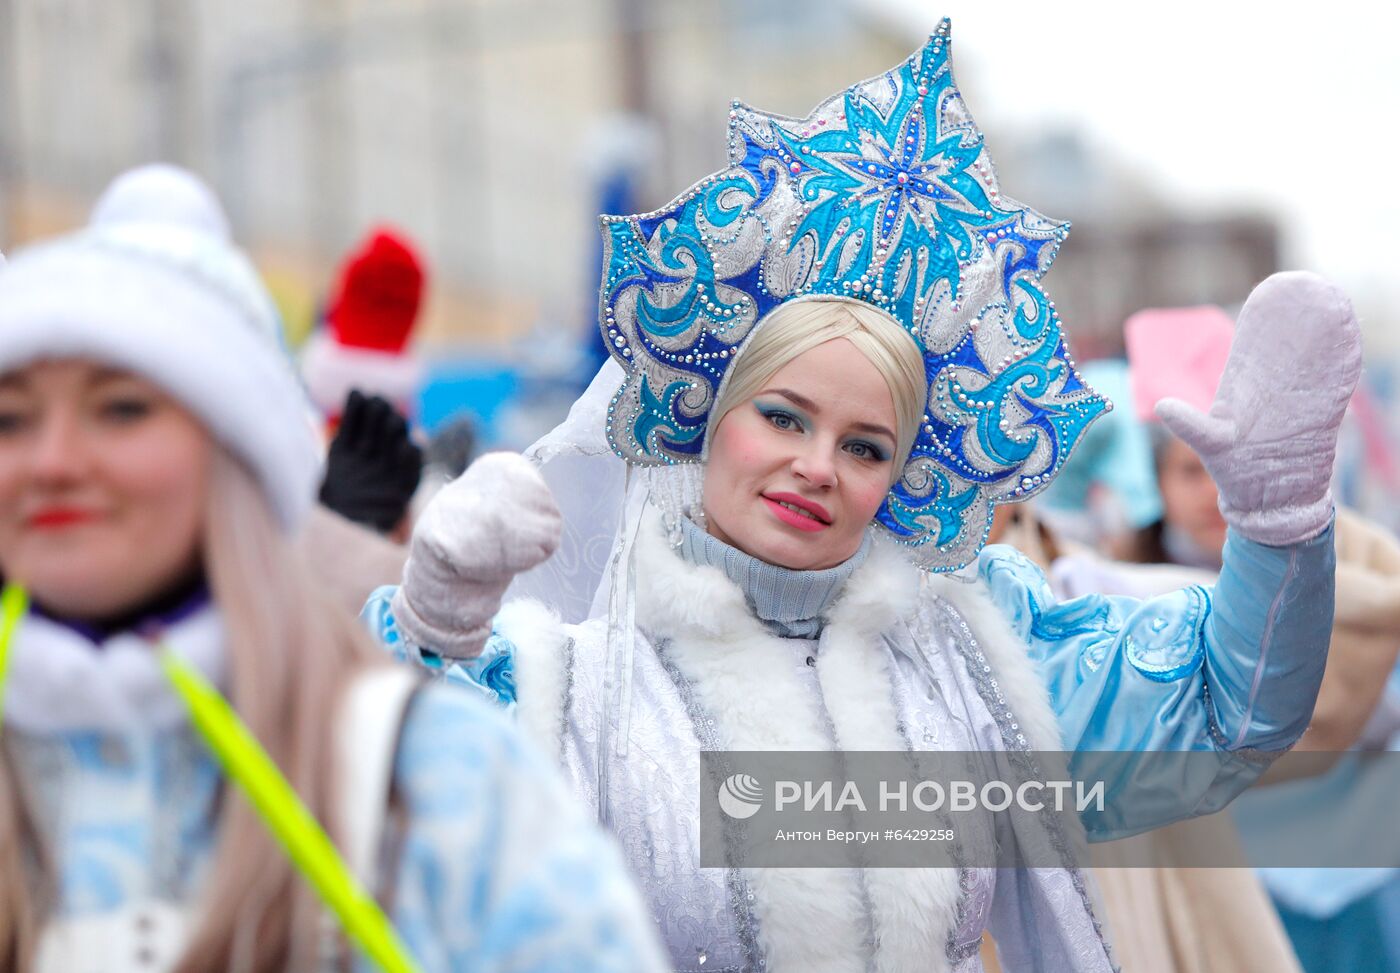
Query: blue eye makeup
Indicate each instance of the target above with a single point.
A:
(780, 417)
(867, 450)
(785, 418)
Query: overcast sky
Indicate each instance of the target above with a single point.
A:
(1288, 105)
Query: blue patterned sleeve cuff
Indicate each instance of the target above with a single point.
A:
(490, 675)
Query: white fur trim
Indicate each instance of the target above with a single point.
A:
(75, 299)
(370, 715)
(914, 908)
(853, 666)
(331, 370)
(1006, 651)
(59, 682)
(542, 649)
(746, 678)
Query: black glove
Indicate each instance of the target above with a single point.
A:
(373, 467)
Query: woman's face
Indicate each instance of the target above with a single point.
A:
(796, 473)
(1190, 502)
(103, 480)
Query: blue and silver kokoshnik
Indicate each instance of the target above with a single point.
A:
(884, 194)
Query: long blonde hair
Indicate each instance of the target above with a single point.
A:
(796, 327)
(291, 653)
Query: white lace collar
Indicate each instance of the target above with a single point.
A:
(61, 682)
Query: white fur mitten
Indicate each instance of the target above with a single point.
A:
(481, 530)
(1270, 437)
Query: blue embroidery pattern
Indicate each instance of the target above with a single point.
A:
(130, 819)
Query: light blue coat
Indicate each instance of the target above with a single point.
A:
(498, 868)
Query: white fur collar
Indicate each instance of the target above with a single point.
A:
(543, 669)
(748, 680)
(60, 682)
(676, 595)
(1026, 693)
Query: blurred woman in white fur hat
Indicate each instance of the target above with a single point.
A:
(155, 465)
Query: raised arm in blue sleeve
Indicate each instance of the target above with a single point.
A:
(1229, 672)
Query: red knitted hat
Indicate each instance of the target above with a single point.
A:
(376, 298)
(369, 321)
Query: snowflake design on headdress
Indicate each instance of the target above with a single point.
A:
(883, 194)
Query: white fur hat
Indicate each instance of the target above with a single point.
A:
(155, 285)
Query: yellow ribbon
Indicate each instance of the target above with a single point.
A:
(258, 777)
(13, 604)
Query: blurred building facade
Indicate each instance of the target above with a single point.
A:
(480, 127)
(467, 122)
(495, 131)
(1131, 247)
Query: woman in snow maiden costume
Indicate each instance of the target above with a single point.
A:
(155, 459)
(835, 358)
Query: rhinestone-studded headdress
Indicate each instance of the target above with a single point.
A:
(885, 194)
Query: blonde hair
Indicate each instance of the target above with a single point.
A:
(291, 653)
(794, 328)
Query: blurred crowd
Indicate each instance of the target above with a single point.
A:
(347, 774)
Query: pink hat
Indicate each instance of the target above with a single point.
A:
(1176, 353)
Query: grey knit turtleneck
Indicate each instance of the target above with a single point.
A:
(790, 603)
